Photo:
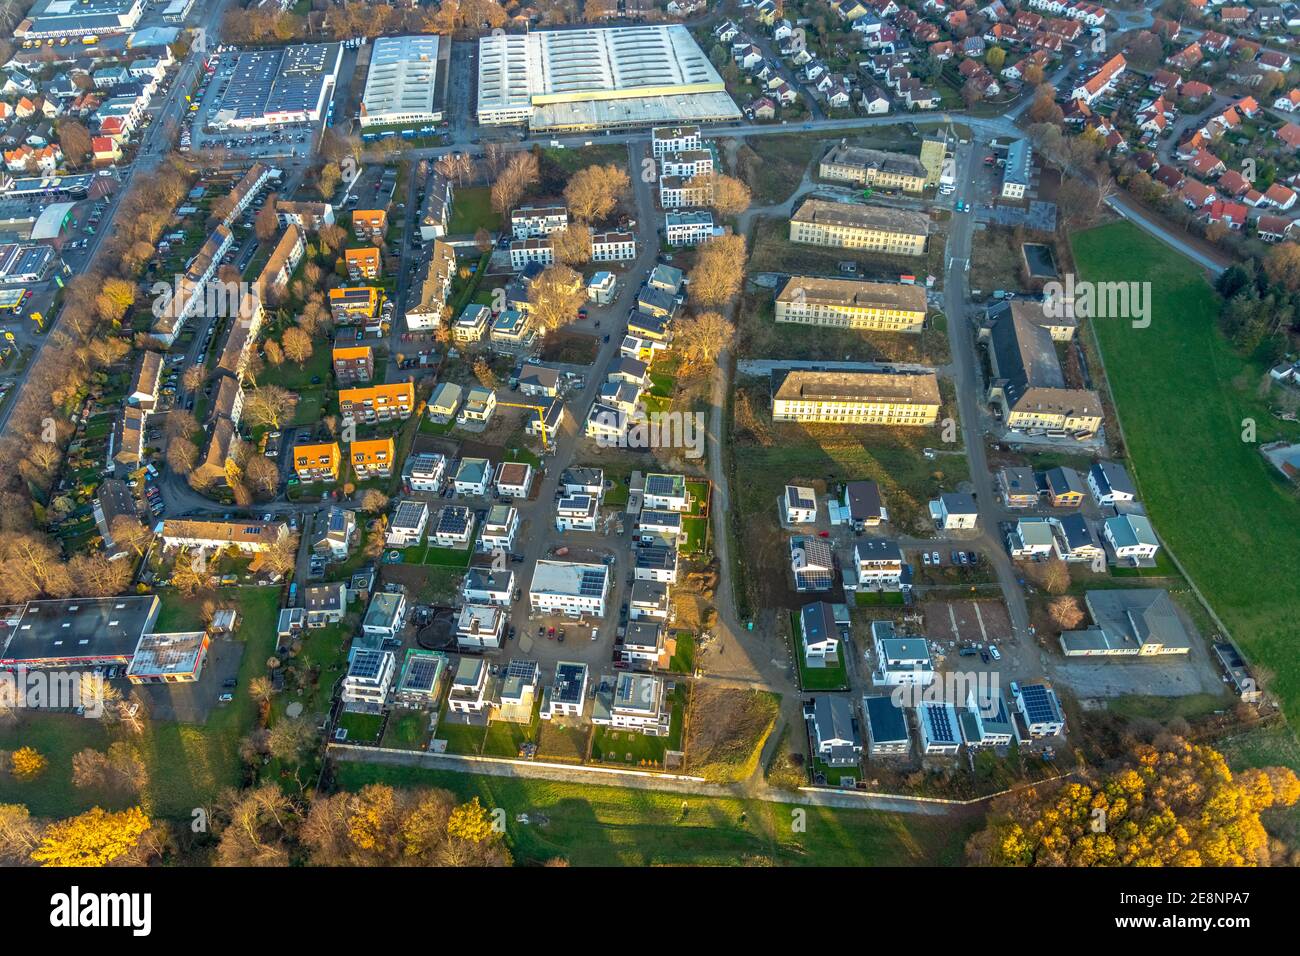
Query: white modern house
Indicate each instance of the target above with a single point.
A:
(798, 505)
(899, 661)
(369, 677)
(407, 526)
(1110, 484)
(499, 529)
(954, 511)
(1131, 537)
(571, 588)
(468, 686)
(480, 626)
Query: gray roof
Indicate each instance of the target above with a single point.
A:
(1139, 614)
(886, 722)
(833, 718)
(1112, 477)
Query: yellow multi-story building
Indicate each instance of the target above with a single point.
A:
(1028, 383)
(377, 403)
(873, 167)
(900, 232)
(316, 462)
(373, 458)
(350, 304)
(852, 304)
(857, 398)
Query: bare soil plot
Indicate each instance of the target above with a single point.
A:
(973, 621)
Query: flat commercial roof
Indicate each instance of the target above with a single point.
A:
(268, 83)
(658, 69)
(403, 75)
(75, 630)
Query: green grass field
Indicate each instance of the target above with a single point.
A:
(1183, 395)
(471, 210)
(613, 826)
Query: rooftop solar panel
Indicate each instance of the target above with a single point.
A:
(1038, 703)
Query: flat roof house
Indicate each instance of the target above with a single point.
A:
(480, 626)
(899, 660)
(516, 692)
(798, 505)
(514, 479)
(452, 526)
(665, 492)
(385, 616)
(940, 729)
(567, 693)
(420, 684)
(406, 528)
(169, 658)
(1038, 711)
(468, 686)
(887, 734)
(571, 588)
(369, 678)
(635, 702)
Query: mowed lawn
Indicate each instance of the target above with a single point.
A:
(1182, 395)
(617, 826)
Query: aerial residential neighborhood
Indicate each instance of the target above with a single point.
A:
(488, 434)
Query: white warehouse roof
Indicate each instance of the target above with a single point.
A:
(638, 74)
(401, 82)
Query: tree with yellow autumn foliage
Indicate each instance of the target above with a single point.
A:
(1175, 805)
(27, 763)
(93, 838)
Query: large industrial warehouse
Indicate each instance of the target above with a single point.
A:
(402, 81)
(594, 79)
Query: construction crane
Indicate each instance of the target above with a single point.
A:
(541, 416)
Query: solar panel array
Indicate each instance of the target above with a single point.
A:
(420, 674)
(453, 520)
(941, 728)
(568, 682)
(1038, 703)
(592, 583)
(366, 664)
(523, 669)
(661, 484)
